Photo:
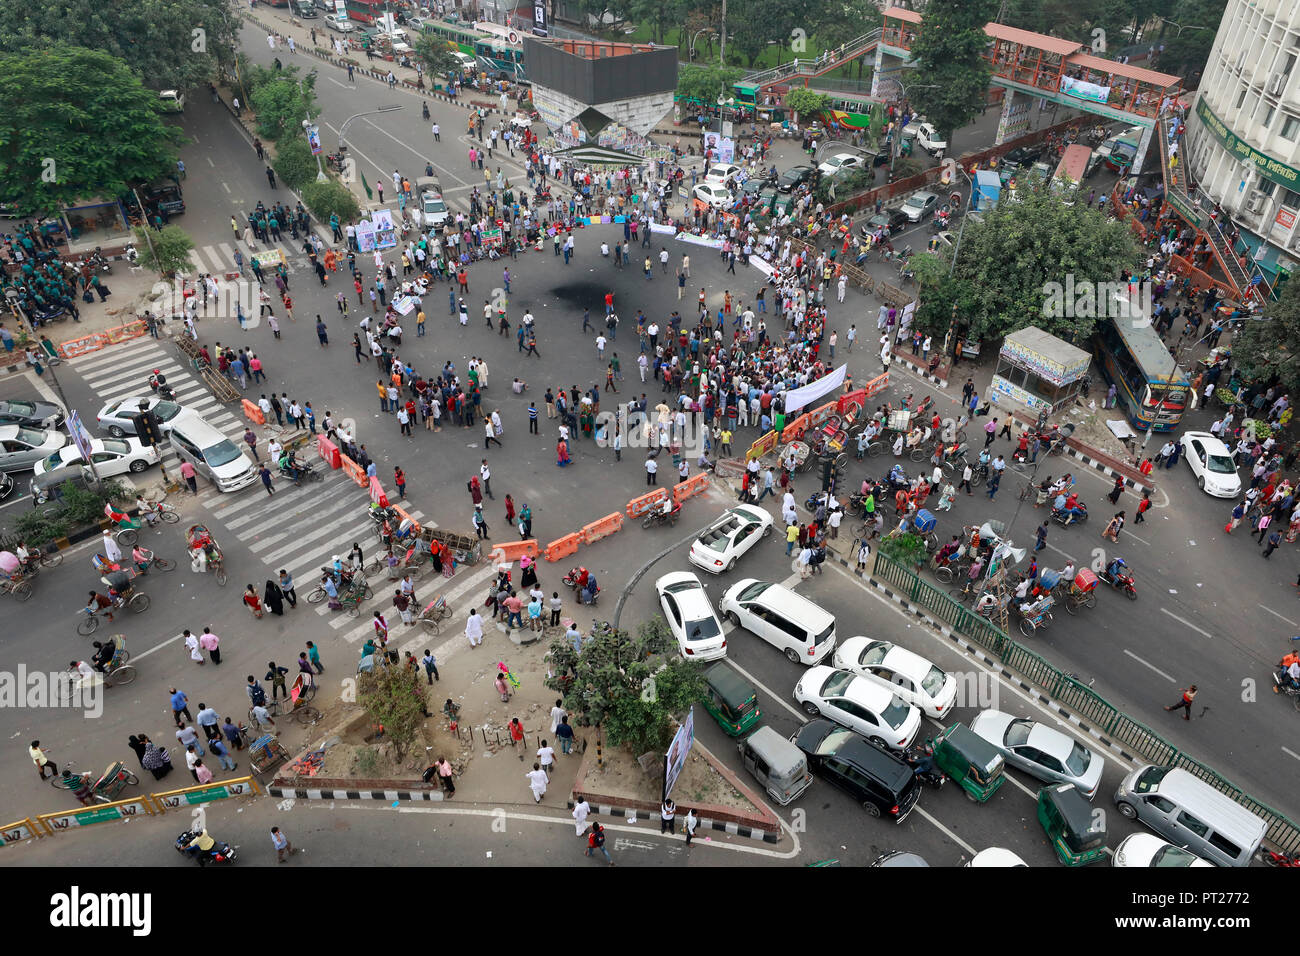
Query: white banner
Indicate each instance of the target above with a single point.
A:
(664, 228)
(762, 265)
(404, 304)
(800, 397)
(699, 240)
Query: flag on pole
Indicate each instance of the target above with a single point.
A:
(366, 186)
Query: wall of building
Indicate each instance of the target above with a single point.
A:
(1243, 139)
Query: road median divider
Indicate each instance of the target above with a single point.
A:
(602, 527)
(639, 506)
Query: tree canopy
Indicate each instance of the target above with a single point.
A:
(1008, 260)
(77, 124)
(168, 43)
(633, 686)
(1270, 348)
(280, 101)
(705, 83)
(953, 80)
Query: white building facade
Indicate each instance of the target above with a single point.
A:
(1243, 134)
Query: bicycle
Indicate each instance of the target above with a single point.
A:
(1028, 491)
(90, 619)
(298, 709)
(164, 513)
(21, 590)
(154, 561)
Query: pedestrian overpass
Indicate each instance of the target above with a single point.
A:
(1034, 66)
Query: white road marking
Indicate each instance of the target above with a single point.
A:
(1278, 616)
(1151, 666)
(795, 712)
(1183, 620)
(346, 86)
(945, 831)
(1291, 753)
(225, 187)
(156, 647)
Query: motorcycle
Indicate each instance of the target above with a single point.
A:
(1121, 582)
(1273, 858)
(158, 384)
(299, 474)
(657, 517)
(1063, 517)
(574, 580)
(920, 757)
(99, 263)
(342, 579)
(1282, 685)
(220, 852)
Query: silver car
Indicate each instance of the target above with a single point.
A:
(21, 448)
(919, 205)
(1041, 751)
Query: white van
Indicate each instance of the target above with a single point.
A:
(464, 61)
(212, 454)
(804, 632)
(1190, 813)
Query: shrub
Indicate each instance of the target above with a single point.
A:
(331, 198)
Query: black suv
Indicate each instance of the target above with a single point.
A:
(795, 177)
(1024, 155)
(881, 782)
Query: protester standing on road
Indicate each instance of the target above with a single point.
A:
(1185, 702)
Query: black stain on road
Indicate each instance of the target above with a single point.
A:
(582, 295)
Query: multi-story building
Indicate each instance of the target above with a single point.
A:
(1243, 135)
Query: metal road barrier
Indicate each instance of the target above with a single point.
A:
(1086, 703)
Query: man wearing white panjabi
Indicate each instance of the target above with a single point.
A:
(580, 811)
(474, 628)
(537, 781)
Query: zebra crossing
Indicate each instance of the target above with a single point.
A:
(123, 372)
(298, 529)
(218, 259)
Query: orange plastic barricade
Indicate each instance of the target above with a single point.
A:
(562, 547)
(121, 333)
(690, 487)
(353, 471)
(794, 430)
(602, 528)
(876, 384)
(513, 551)
(377, 493)
(328, 451)
(761, 447)
(639, 506)
(821, 413)
(252, 412)
(75, 347)
(415, 525)
(858, 395)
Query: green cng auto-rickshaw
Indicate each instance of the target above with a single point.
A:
(731, 699)
(1076, 829)
(970, 761)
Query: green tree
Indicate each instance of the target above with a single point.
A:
(705, 83)
(807, 103)
(294, 162)
(634, 687)
(434, 54)
(393, 696)
(1187, 45)
(165, 251)
(1270, 348)
(281, 101)
(659, 15)
(331, 198)
(1008, 260)
(169, 43)
(77, 124)
(953, 72)
(754, 24)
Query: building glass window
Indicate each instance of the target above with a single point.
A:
(1291, 199)
(1290, 128)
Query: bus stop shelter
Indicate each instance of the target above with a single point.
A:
(1039, 370)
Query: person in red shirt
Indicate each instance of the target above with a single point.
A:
(1143, 506)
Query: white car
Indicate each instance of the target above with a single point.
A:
(111, 457)
(722, 173)
(721, 544)
(521, 121)
(908, 675)
(1211, 463)
(22, 447)
(996, 856)
(690, 616)
(341, 26)
(115, 417)
(861, 705)
(927, 137)
(1041, 751)
(713, 194)
(839, 163)
(1146, 850)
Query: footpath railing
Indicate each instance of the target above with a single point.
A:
(1070, 693)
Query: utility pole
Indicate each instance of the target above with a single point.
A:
(722, 46)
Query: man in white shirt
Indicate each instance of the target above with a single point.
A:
(537, 781)
(546, 757)
(474, 628)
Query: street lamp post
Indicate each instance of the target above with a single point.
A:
(348, 122)
(898, 139)
(306, 125)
